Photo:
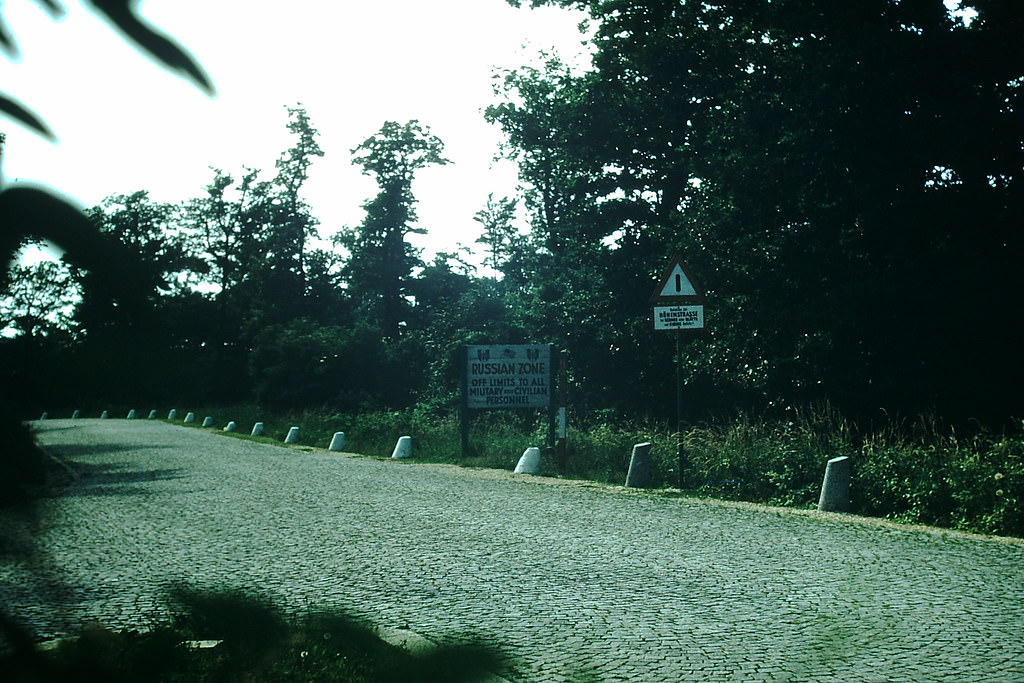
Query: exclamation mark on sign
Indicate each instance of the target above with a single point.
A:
(679, 282)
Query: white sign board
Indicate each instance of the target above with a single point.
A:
(678, 317)
(510, 376)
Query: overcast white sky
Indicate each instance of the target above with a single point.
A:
(125, 124)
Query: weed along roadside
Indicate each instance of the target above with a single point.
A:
(921, 476)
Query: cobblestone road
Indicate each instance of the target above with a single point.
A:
(572, 581)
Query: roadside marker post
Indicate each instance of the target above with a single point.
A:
(678, 304)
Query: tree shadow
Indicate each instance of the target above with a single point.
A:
(71, 451)
(107, 479)
(41, 427)
(233, 635)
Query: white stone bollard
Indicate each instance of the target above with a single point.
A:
(131, 414)
(152, 415)
(529, 462)
(173, 415)
(403, 449)
(190, 418)
(640, 466)
(293, 435)
(75, 415)
(207, 421)
(835, 487)
(104, 415)
(231, 427)
(257, 429)
(337, 441)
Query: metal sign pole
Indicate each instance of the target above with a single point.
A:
(563, 417)
(464, 401)
(552, 403)
(678, 304)
(680, 447)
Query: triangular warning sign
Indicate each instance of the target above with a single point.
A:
(677, 285)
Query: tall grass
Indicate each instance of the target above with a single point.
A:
(779, 462)
(913, 471)
(920, 472)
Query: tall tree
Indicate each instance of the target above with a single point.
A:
(801, 155)
(381, 260)
(224, 226)
(558, 280)
(147, 228)
(40, 300)
(254, 236)
(546, 120)
(499, 232)
(136, 225)
(292, 224)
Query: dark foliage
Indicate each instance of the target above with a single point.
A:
(802, 156)
(252, 640)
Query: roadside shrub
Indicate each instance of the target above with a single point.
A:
(21, 462)
(303, 364)
(926, 476)
(773, 462)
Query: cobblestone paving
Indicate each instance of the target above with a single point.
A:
(574, 582)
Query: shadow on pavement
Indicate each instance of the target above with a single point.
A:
(232, 635)
(107, 479)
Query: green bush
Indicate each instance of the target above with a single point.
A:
(927, 476)
(774, 462)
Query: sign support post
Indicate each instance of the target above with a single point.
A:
(463, 404)
(680, 446)
(563, 417)
(552, 403)
(678, 304)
